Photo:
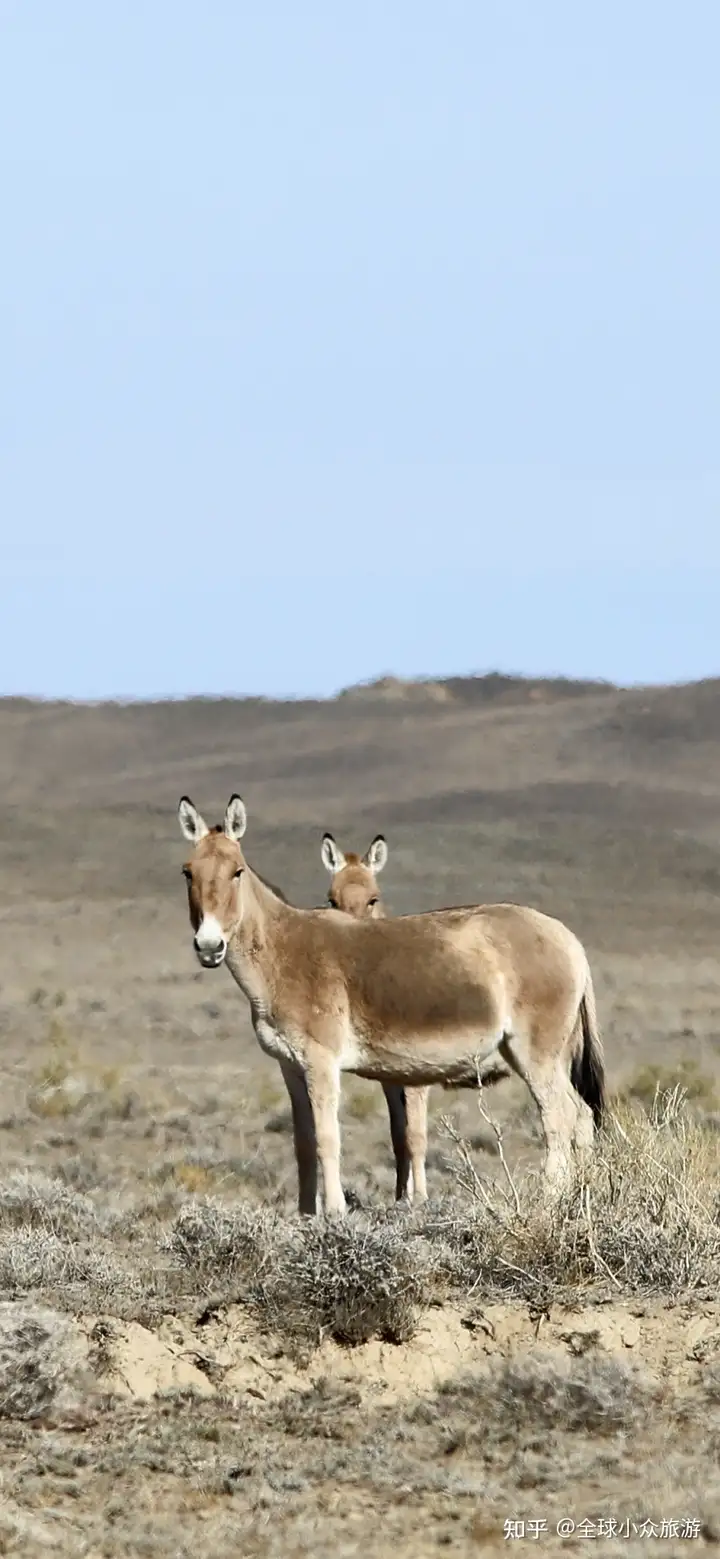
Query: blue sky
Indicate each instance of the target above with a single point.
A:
(342, 340)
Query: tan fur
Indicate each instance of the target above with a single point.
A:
(411, 1001)
(354, 890)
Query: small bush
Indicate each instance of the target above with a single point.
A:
(650, 1082)
(35, 1201)
(34, 1259)
(644, 1220)
(600, 1395)
(540, 1390)
(42, 1370)
(352, 1280)
(219, 1242)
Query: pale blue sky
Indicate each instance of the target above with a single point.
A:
(345, 339)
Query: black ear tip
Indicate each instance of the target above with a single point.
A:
(234, 797)
(184, 802)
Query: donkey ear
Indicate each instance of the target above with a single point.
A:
(332, 858)
(235, 819)
(192, 824)
(376, 856)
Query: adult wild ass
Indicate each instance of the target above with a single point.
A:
(354, 891)
(412, 1001)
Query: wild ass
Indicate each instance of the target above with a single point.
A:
(412, 1001)
(354, 891)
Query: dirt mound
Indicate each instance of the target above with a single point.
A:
(228, 1354)
(132, 1362)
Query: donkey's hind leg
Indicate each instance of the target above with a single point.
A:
(552, 1091)
(584, 1133)
(396, 1100)
(584, 1130)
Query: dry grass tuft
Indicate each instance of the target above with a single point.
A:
(650, 1082)
(33, 1260)
(35, 1201)
(352, 1280)
(68, 1085)
(546, 1389)
(644, 1220)
(530, 1399)
(594, 1394)
(42, 1370)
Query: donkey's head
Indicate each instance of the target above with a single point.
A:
(214, 876)
(354, 886)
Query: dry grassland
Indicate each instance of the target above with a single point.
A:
(185, 1368)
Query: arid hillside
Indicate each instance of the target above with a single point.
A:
(186, 1370)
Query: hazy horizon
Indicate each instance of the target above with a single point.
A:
(365, 682)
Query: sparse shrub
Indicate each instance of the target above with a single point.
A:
(711, 1382)
(42, 1373)
(218, 1243)
(643, 1220)
(602, 1395)
(351, 1280)
(202, 1171)
(66, 1085)
(650, 1083)
(545, 1388)
(34, 1259)
(325, 1412)
(34, 1201)
(192, 1177)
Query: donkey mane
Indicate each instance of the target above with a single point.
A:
(271, 885)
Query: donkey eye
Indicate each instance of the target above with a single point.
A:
(372, 903)
(187, 874)
(237, 874)
(333, 903)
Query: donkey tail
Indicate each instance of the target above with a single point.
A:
(587, 1068)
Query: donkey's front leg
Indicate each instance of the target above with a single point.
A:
(322, 1071)
(304, 1137)
(416, 1105)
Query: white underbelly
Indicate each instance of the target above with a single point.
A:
(432, 1059)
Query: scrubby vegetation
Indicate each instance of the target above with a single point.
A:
(643, 1221)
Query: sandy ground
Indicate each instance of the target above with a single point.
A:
(132, 1080)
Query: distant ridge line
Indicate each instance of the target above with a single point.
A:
(494, 688)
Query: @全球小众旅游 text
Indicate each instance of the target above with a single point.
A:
(605, 1526)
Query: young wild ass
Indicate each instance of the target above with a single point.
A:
(354, 891)
(421, 999)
